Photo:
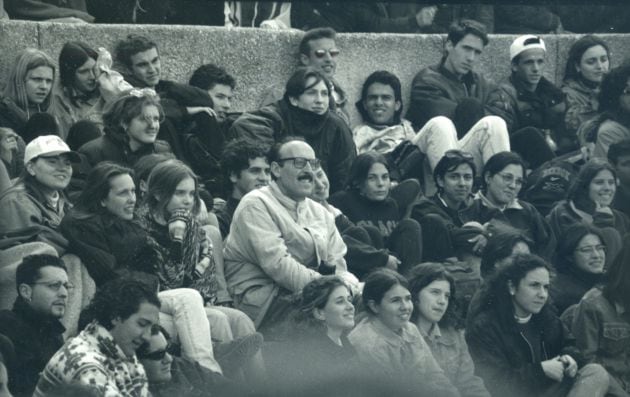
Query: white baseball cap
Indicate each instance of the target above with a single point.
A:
(48, 145)
(524, 43)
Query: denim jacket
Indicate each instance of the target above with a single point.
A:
(602, 332)
(450, 350)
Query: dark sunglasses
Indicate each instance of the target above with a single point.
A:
(322, 53)
(157, 355)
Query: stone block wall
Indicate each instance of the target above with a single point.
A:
(260, 58)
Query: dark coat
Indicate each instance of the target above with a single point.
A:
(436, 92)
(116, 148)
(106, 245)
(35, 338)
(328, 135)
(527, 219)
(542, 109)
(504, 358)
(569, 286)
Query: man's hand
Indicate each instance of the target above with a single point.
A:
(199, 109)
(554, 369)
(570, 366)
(392, 263)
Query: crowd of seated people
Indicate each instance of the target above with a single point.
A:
(153, 242)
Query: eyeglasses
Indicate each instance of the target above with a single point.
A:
(322, 53)
(300, 162)
(156, 355)
(509, 179)
(591, 249)
(457, 154)
(55, 285)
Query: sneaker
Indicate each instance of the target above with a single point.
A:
(232, 355)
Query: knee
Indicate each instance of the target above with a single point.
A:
(596, 373)
(496, 125)
(188, 295)
(409, 226)
(441, 123)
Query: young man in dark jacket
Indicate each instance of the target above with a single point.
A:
(33, 325)
(448, 100)
(531, 105)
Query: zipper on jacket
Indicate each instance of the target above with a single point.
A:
(531, 349)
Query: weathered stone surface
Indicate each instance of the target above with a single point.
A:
(261, 58)
(14, 36)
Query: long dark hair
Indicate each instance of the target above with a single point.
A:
(162, 183)
(569, 241)
(378, 283)
(496, 295)
(580, 187)
(612, 88)
(500, 246)
(72, 56)
(424, 274)
(576, 52)
(361, 167)
(97, 187)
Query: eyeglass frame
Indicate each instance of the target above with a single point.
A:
(316, 166)
(509, 179)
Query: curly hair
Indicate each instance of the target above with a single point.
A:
(117, 299)
(496, 294)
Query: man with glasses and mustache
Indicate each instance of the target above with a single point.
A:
(318, 50)
(280, 239)
(33, 325)
(532, 106)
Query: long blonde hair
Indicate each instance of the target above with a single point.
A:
(26, 60)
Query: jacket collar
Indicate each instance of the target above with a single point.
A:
(487, 203)
(22, 309)
(468, 78)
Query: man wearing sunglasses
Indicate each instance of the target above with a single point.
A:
(318, 49)
(532, 106)
(280, 239)
(169, 375)
(33, 325)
